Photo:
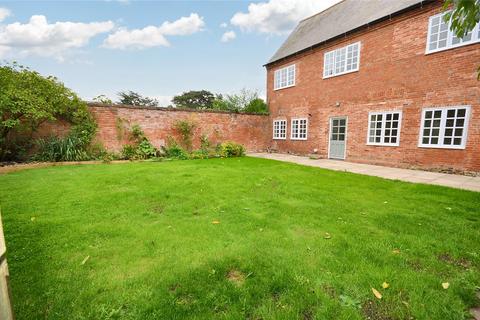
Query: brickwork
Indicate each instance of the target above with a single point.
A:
(395, 74)
(114, 123)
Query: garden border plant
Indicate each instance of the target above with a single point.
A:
(27, 100)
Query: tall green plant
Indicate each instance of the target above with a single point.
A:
(28, 99)
(186, 129)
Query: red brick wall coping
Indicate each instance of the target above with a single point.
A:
(127, 106)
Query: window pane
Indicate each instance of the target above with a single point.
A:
(447, 127)
(341, 60)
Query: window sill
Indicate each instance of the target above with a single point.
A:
(279, 138)
(284, 87)
(383, 144)
(340, 74)
(298, 139)
(441, 147)
(428, 52)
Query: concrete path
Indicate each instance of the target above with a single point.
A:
(417, 176)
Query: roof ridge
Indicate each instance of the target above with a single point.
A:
(326, 9)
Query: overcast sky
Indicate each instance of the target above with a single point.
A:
(158, 48)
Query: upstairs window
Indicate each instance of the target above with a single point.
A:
(342, 60)
(280, 129)
(444, 127)
(440, 37)
(284, 77)
(384, 128)
(299, 129)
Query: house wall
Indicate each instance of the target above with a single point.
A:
(395, 74)
(114, 123)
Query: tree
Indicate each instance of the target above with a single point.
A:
(28, 99)
(257, 105)
(463, 17)
(194, 100)
(243, 101)
(103, 99)
(135, 99)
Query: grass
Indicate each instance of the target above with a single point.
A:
(291, 242)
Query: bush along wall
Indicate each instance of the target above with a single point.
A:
(27, 100)
(140, 148)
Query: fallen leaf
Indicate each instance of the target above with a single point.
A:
(448, 208)
(385, 201)
(385, 285)
(396, 251)
(215, 222)
(85, 260)
(32, 219)
(377, 294)
(327, 235)
(445, 285)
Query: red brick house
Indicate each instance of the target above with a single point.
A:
(381, 82)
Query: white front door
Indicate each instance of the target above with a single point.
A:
(338, 138)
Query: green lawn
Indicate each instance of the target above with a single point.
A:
(292, 242)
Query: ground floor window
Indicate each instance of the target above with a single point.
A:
(280, 129)
(444, 127)
(299, 129)
(384, 128)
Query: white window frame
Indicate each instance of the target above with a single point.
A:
(382, 136)
(280, 137)
(475, 36)
(277, 84)
(442, 128)
(335, 52)
(293, 126)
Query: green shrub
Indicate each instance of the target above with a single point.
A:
(137, 134)
(28, 99)
(173, 150)
(129, 152)
(231, 149)
(145, 150)
(69, 148)
(199, 154)
(141, 148)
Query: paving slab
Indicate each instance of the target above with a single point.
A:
(415, 176)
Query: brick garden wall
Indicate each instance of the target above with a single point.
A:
(395, 74)
(158, 123)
